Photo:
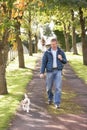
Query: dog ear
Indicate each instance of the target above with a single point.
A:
(25, 95)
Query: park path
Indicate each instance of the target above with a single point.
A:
(39, 118)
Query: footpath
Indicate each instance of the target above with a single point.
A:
(39, 118)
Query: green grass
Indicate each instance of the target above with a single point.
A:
(76, 61)
(17, 80)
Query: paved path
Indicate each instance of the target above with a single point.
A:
(39, 118)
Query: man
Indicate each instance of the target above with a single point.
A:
(53, 60)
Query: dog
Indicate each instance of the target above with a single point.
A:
(26, 103)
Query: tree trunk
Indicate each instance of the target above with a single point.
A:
(36, 43)
(67, 42)
(30, 43)
(74, 41)
(3, 61)
(4, 48)
(73, 35)
(3, 84)
(83, 34)
(66, 35)
(30, 35)
(19, 46)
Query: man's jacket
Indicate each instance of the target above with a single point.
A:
(47, 61)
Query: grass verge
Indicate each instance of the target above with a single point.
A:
(17, 80)
(76, 61)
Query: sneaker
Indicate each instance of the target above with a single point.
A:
(57, 106)
(49, 102)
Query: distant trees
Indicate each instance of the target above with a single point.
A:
(70, 14)
(17, 14)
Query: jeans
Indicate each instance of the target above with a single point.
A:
(54, 79)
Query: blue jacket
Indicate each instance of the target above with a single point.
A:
(47, 61)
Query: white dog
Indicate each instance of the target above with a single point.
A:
(26, 103)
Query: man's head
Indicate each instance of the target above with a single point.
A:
(54, 43)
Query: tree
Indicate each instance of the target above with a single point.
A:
(5, 24)
(30, 23)
(73, 33)
(63, 23)
(66, 35)
(61, 16)
(27, 22)
(83, 34)
(30, 33)
(19, 45)
(17, 15)
(79, 5)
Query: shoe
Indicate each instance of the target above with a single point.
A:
(57, 106)
(49, 102)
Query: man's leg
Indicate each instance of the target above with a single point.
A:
(58, 87)
(49, 84)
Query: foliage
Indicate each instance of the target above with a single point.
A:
(60, 37)
(5, 16)
(47, 30)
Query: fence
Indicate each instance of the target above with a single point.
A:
(12, 54)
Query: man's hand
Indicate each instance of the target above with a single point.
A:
(60, 57)
(41, 76)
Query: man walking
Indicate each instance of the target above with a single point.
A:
(53, 60)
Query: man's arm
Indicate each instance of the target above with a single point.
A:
(43, 64)
(62, 58)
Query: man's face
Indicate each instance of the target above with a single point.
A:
(54, 45)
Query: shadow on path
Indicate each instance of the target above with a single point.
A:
(39, 119)
(77, 85)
